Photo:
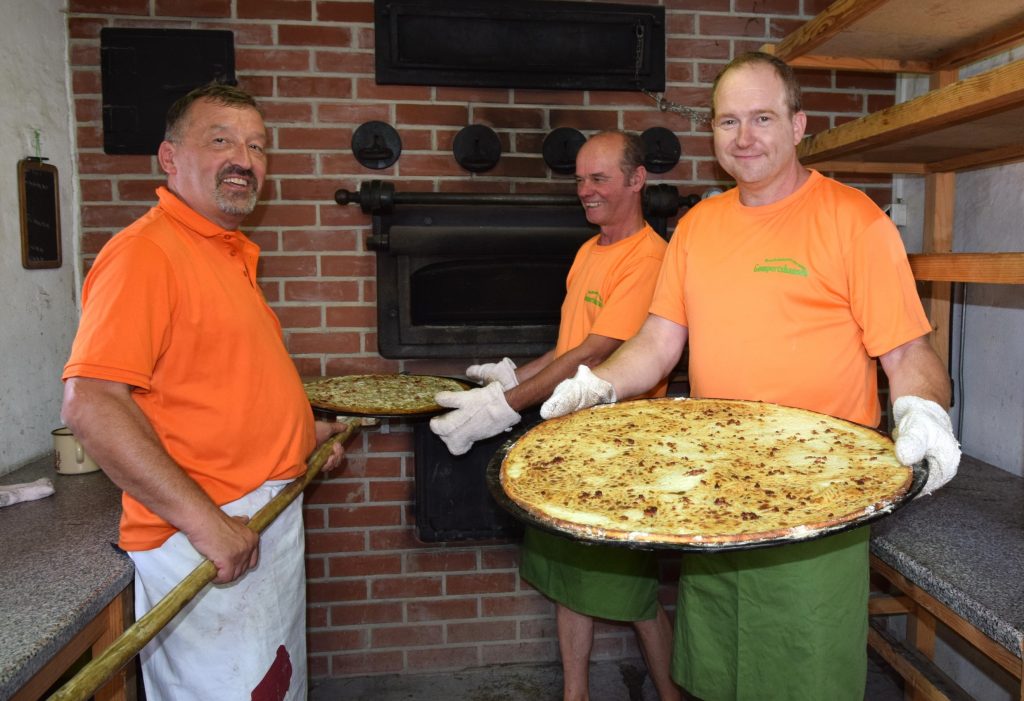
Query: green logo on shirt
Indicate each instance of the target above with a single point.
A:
(782, 265)
(594, 297)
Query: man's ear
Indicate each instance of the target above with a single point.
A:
(165, 157)
(799, 127)
(638, 179)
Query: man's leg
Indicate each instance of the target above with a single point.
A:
(655, 637)
(575, 640)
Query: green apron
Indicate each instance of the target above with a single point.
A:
(785, 623)
(602, 581)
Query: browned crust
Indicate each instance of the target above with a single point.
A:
(410, 381)
(870, 437)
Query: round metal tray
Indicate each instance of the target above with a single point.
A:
(493, 478)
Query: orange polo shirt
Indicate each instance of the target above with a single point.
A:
(172, 308)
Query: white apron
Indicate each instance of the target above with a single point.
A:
(243, 640)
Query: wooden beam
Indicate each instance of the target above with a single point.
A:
(851, 63)
(996, 42)
(982, 159)
(971, 98)
(993, 268)
(837, 17)
(878, 167)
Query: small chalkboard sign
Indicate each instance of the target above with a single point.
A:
(39, 198)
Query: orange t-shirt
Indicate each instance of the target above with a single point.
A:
(791, 302)
(172, 308)
(609, 289)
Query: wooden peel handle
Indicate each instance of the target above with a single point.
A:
(93, 675)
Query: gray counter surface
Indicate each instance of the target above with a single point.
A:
(58, 567)
(964, 545)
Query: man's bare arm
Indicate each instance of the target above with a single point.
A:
(593, 351)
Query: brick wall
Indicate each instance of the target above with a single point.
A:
(379, 600)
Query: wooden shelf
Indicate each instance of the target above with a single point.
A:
(995, 268)
(972, 123)
(910, 36)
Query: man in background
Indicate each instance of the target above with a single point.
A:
(787, 288)
(180, 386)
(609, 288)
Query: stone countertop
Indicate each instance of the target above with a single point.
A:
(58, 567)
(964, 545)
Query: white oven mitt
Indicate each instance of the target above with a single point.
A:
(503, 372)
(580, 392)
(924, 432)
(479, 413)
(27, 491)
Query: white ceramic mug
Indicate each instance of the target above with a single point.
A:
(69, 456)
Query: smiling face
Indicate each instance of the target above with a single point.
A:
(216, 161)
(756, 134)
(610, 198)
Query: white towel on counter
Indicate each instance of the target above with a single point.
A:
(27, 491)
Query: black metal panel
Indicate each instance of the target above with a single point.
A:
(452, 499)
(523, 44)
(145, 70)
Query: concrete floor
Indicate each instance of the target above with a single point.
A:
(609, 681)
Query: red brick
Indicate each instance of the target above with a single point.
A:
(331, 591)
(405, 587)
(492, 583)
(442, 561)
(548, 97)
(456, 115)
(319, 240)
(96, 190)
(332, 291)
(307, 35)
(275, 9)
(392, 442)
(367, 90)
(245, 34)
(694, 5)
(444, 609)
(139, 190)
(86, 28)
(288, 266)
(584, 120)
(89, 137)
(351, 62)
(396, 539)
(332, 640)
(85, 81)
(679, 23)
(314, 138)
(316, 616)
(731, 26)
(93, 241)
(287, 163)
(317, 666)
(98, 163)
(475, 96)
(367, 663)
(436, 166)
(109, 7)
(350, 317)
(480, 631)
(336, 491)
(538, 628)
(509, 117)
(299, 342)
(193, 8)
(118, 216)
(365, 612)
(400, 490)
(352, 113)
(407, 636)
(298, 317)
(282, 215)
(518, 605)
(314, 519)
(344, 11)
(502, 557)
(359, 516)
(364, 565)
(768, 7)
(328, 542)
(615, 98)
(271, 60)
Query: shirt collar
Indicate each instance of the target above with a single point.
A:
(177, 209)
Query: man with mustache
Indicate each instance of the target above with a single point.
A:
(180, 386)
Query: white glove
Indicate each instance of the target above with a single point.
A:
(584, 390)
(923, 431)
(503, 372)
(479, 413)
(27, 491)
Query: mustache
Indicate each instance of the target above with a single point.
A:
(229, 171)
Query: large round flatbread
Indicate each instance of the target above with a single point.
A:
(380, 395)
(679, 471)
